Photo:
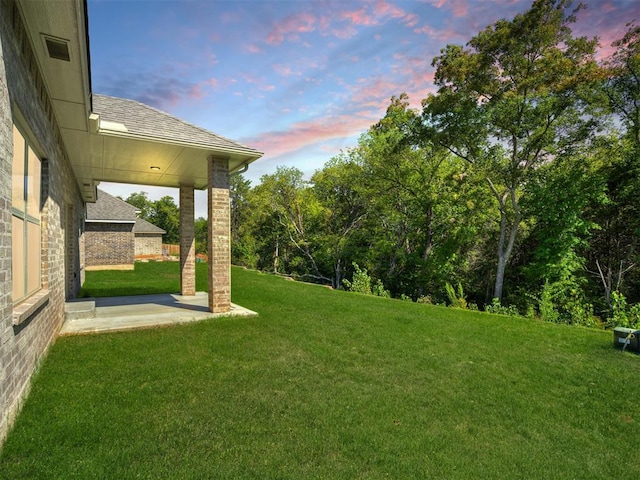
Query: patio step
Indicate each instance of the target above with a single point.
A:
(76, 310)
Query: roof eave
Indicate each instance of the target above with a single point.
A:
(250, 153)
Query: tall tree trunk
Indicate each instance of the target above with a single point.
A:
(505, 245)
(338, 275)
(276, 258)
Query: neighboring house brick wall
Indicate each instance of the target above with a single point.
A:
(109, 244)
(148, 244)
(23, 346)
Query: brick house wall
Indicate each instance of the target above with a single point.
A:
(109, 245)
(22, 90)
(148, 245)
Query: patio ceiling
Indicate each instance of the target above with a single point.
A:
(117, 143)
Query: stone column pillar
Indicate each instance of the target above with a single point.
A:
(219, 236)
(187, 242)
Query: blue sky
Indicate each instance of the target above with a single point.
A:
(297, 79)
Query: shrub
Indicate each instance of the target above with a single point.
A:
(497, 307)
(456, 298)
(623, 315)
(548, 313)
(362, 283)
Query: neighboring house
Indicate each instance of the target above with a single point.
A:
(115, 236)
(58, 140)
(148, 240)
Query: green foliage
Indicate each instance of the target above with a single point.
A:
(456, 298)
(501, 182)
(362, 283)
(548, 311)
(496, 307)
(378, 290)
(142, 202)
(163, 213)
(510, 102)
(624, 315)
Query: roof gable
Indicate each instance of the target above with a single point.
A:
(142, 226)
(110, 208)
(142, 120)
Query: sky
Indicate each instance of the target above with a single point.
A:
(299, 80)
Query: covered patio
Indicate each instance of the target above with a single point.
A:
(129, 142)
(119, 140)
(111, 314)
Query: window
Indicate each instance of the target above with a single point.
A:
(25, 219)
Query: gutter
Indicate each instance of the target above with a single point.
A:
(245, 167)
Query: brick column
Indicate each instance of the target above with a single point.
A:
(187, 242)
(219, 237)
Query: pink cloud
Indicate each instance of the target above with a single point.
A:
(302, 135)
(382, 8)
(460, 8)
(608, 21)
(196, 92)
(254, 49)
(282, 70)
(344, 32)
(290, 27)
(411, 20)
(444, 35)
(359, 17)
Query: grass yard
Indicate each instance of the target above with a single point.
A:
(147, 278)
(331, 385)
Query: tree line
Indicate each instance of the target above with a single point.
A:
(515, 184)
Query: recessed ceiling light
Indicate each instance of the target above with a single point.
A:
(155, 168)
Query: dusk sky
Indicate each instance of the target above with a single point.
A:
(298, 80)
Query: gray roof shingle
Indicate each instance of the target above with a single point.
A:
(140, 119)
(142, 226)
(108, 207)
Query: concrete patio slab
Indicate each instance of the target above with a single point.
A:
(144, 311)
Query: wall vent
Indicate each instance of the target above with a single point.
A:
(57, 48)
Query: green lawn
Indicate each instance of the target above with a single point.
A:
(334, 385)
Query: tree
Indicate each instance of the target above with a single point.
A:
(622, 85)
(166, 215)
(140, 200)
(337, 186)
(243, 243)
(201, 234)
(291, 215)
(510, 102)
(415, 188)
(613, 254)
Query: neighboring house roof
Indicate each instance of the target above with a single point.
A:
(142, 226)
(140, 119)
(110, 208)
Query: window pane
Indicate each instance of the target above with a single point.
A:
(17, 258)
(17, 182)
(33, 185)
(33, 257)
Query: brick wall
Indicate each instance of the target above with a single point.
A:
(148, 244)
(187, 242)
(21, 89)
(109, 244)
(219, 248)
